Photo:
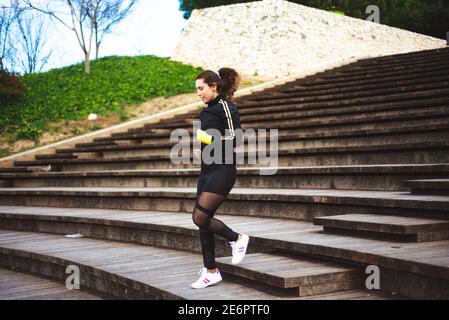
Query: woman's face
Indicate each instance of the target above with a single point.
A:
(205, 92)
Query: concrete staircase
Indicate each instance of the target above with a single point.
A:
(362, 180)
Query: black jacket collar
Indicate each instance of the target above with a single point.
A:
(214, 101)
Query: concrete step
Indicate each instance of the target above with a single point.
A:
(375, 178)
(412, 153)
(401, 228)
(428, 186)
(299, 204)
(404, 267)
(297, 275)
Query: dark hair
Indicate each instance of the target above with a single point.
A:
(227, 83)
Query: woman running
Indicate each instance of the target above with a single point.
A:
(216, 179)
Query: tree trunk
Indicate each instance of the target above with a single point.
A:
(97, 45)
(86, 63)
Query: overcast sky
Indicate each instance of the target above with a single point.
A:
(153, 28)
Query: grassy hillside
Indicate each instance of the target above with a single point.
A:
(68, 94)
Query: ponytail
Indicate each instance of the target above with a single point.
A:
(227, 80)
(229, 84)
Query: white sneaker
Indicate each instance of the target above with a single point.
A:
(239, 248)
(206, 279)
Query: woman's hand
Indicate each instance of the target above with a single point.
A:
(197, 153)
(203, 137)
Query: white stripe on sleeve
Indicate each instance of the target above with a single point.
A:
(229, 118)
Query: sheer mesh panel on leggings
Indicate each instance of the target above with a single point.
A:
(209, 202)
(203, 214)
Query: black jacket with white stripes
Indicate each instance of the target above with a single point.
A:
(223, 115)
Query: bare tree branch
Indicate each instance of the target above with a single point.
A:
(8, 16)
(80, 23)
(90, 20)
(49, 12)
(32, 29)
(109, 13)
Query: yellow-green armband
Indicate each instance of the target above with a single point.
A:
(203, 136)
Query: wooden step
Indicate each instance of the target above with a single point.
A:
(438, 88)
(349, 76)
(305, 112)
(16, 169)
(394, 64)
(415, 69)
(298, 275)
(429, 186)
(298, 204)
(433, 130)
(379, 68)
(96, 143)
(363, 67)
(325, 130)
(17, 285)
(416, 229)
(405, 267)
(406, 153)
(5, 183)
(374, 177)
(373, 117)
(326, 121)
(294, 121)
(392, 101)
(396, 81)
(348, 115)
(312, 131)
(399, 58)
(127, 271)
(60, 155)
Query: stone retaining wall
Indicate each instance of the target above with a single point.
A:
(276, 38)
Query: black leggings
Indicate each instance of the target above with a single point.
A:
(213, 188)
